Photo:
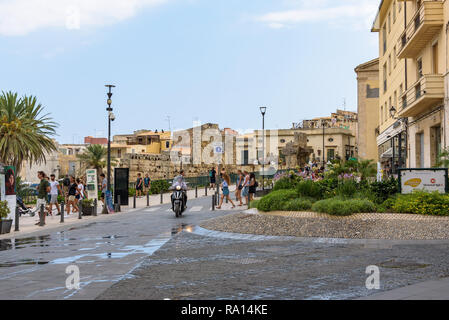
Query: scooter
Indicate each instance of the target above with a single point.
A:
(178, 201)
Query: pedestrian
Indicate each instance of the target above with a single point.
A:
(245, 186)
(43, 189)
(239, 187)
(252, 186)
(79, 191)
(139, 185)
(104, 188)
(55, 190)
(225, 189)
(65, 187)
(147, 183)
(71, 201)
(212, 177)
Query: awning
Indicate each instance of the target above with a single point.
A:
(387, 154)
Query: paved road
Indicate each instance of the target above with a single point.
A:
(105, 251)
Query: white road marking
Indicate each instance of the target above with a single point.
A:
(196, 209)
(152, 209)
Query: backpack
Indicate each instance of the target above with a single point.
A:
(66, 182)
(256, 184)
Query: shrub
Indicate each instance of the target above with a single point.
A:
(253, 204)
(159, 186)
(4, 209)
(421, 202)
(298, 205)
(308, 188)
(131, 192)
(347, 189)
(327, 187)
(286, 183)
(382, 190)
(276, 200)
(87, 202)
(341, 207)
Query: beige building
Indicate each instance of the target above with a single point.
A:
(413, 67)
(367, 109)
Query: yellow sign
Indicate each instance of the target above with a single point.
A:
(413, 182)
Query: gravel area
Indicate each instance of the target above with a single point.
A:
(376, 226)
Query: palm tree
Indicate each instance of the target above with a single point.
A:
(443, 159)
(366, 169)
(24, 131)
(95, 157)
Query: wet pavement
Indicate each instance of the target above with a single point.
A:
(199, 264)
(106, 251)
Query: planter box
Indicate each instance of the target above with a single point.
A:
(88, 211)
(5, 226)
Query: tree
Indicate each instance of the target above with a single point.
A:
(95, 157)
(443, 159)
(366, 169)
(25, 132)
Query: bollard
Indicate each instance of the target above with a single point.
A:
(17, 219)
(148, 198)
(62, 211)
(80, 210)
(41, 216)
(247, 197)
(213, 202)
(119, 203)
(134, 202)
(205, 190)
(95, 207)
(196, 192)
(162, 198)
(216, 198)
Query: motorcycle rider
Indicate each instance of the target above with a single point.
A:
(179, 181)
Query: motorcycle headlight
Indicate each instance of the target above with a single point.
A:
(178, 188)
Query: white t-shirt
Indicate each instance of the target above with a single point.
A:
(54, 187)
(81, 188)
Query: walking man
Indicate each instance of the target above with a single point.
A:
(212, 177)
(139, 185)
(55, 190)
(43, 189)
(104, 188)
(147, 183)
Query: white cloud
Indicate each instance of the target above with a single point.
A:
(352, 13)
(21, 17)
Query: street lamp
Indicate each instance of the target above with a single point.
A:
(263, 110)
(111, 117)
(392, 111)
(323, 124)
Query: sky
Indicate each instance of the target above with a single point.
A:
(191, 60)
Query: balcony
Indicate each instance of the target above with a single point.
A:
(425, 24)
(426, 92)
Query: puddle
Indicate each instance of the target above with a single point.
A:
(9, 244)
(21, 263)
(182, 227)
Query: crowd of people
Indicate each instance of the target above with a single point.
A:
(246, 185)
(73, 190)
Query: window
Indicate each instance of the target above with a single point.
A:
(395, 101)
(394, 11)
(435, 58)
(389, 64)
(389, 22)
(381, 114)
(389, 107)
(385, 77)
(119, 153)
(386, 112)
(395, 57)
(419, 68)
(401, 89)
(399, 7)
(384, 37)
(167, 144)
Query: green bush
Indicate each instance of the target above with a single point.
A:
(308, 188)
(339, 207)
(253, 204)
(347, 189)
(276, 200)
(421, 202)
(327, 187)
(131, 192)
(159, 186)
(298, 205)
(4, 209)
(382, 190)
(286, 183)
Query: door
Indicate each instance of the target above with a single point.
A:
(435, 58)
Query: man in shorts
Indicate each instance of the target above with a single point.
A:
(43, 189)
(55, 190)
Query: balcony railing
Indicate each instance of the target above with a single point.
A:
(425, 93)
(422, 28)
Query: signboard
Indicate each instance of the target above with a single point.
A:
(92, 184)
(10, 190)
(218, 148)
(423, 179)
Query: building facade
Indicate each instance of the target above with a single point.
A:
(412, 65)
(367, 109)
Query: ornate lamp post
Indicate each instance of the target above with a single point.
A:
(263, 110)
(111, 117)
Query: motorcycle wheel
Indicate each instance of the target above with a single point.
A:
(177, 209)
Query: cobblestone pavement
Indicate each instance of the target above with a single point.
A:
(192, 266)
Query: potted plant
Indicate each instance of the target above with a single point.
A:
(5, 224)
(88, 207)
